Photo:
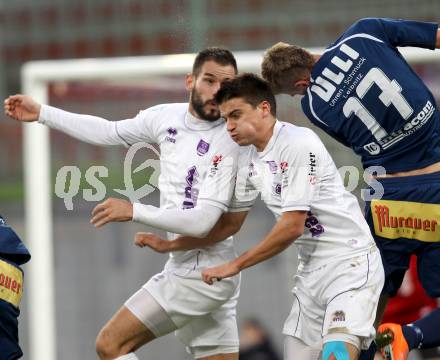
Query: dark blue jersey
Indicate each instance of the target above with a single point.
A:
(365, 95)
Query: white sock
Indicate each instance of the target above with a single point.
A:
(130, 356)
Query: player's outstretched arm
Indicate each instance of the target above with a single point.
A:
(288, 228)
(196, 222)
(22, 108)
(227, 225)
(92, 129)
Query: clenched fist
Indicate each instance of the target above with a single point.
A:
(22, 108)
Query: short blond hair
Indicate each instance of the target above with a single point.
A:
(283, 63)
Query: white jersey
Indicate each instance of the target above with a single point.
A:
(198, 158)
(295, 172)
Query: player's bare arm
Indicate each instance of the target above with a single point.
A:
(227, 225)
(437, 41)
(112, 210)
(288, 228)
(22, 108)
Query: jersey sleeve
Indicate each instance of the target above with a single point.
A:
(300, 172)
(99, 131)
(399, 32)
(245, 193)
(145, 127)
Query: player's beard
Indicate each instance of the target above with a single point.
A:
(199, 107)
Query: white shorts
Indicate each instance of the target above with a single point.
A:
(340, 297)
(204, 315)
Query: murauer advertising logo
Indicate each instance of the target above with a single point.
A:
(394, 219)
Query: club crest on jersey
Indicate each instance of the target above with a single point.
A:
(273, 167)
(372, 148)
(202, 148)
(172, 132)
(284, 166)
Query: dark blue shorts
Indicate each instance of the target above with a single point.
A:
(11, 287)
(406, 221)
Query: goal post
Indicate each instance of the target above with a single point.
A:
(36, 77)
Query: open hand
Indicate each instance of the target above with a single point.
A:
(22, 108)
(219, 272)
(153, 241)
(112, 210)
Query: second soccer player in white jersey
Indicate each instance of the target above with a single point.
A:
(340, 273)
(198, 168)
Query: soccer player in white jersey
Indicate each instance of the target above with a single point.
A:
(340, 273)
(198, 161)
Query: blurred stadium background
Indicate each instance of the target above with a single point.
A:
(96, 270)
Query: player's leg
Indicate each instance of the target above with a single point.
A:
(423, 333)
(201, 354)
(395, 254)
(352, 306)
(295, 348)
(218, 327)
(138, 322)
(337, 349)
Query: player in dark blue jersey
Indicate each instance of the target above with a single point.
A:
(362, 92)
(13, 253)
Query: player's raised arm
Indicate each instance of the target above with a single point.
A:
(288, 228)
(91, 129)
(228, 224)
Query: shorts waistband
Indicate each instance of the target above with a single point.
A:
(410, 180)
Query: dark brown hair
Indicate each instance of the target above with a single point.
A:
(219, 55)
(250, 87)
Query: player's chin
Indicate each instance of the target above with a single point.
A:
(240, 141)
(211, 114)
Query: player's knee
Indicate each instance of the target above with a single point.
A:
(106, 348)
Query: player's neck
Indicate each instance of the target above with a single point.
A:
(265, 133)
(316, 57)
(193, 112)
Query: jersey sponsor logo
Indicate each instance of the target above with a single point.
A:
(11, 283)
(312, 168)
(338, 316)
(410, 127)
(412, 220)
(172, 132)
(251, 170)
(202, 148)
(312, 223)
(191, 193)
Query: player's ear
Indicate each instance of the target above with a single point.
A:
(303, 83)
(265, 108)
(189, 81)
